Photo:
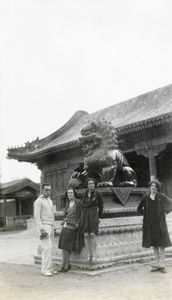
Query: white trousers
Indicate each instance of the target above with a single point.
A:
(47, 249)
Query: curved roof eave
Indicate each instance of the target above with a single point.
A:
(134, 127)
(77, 115)
(32, 157)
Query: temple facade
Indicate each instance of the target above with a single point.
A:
(144, 131)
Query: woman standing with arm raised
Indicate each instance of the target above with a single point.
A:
(153, 207)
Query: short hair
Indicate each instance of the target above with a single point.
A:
(70, 188)
(90, 179)
(155, 181)
(45, 184)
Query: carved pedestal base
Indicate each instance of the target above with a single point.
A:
(119, 241)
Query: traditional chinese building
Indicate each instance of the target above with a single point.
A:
(144, 129)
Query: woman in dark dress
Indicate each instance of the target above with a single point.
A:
(153, 207)
(71, 238)
(92, 208)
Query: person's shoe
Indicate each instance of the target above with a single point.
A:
(54, 272)
(67, 269)
(155, 269)
(61, 269)
(162, 270)
(64, 270)
(47, 273)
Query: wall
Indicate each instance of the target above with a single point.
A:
(10, 207)
(17, 222)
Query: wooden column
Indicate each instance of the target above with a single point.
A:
(5, 211)
(19, 207)
(42, 179)
(152, 164)
(150, 150)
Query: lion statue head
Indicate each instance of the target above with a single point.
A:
(98, 133)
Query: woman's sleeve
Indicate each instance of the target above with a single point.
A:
(82, 197)
(141, 206)
(168, 204)
(65, 213)
(78, 213)
(100, 201)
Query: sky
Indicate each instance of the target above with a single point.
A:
(61, 56)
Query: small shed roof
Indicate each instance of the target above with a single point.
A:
(16, 185)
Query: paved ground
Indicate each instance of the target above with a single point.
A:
(21, 278)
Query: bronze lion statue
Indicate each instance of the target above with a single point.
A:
(103, 161)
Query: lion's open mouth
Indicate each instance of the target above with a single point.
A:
(93, 139)
(87, 142)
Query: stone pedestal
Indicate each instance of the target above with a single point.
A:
(118, 239)
(118, 201)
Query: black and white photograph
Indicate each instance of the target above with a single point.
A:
(85, 149)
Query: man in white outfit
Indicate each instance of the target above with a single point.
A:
(44, 218)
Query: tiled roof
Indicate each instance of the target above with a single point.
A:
(143, 109)
(147, 110)
(16, 185)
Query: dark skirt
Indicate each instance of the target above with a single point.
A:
(159, 236)
(67, 240)
(155, 232)
(158, 232)
(90, 220)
